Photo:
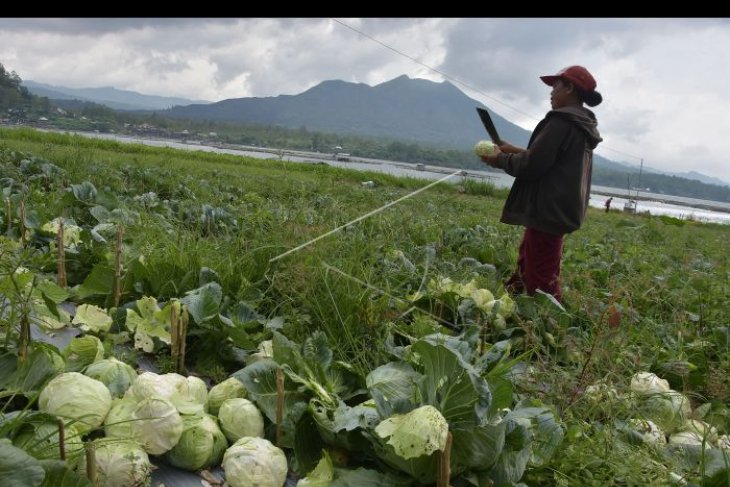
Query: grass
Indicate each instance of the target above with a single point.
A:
(667, 284)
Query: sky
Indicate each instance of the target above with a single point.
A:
(664, 81)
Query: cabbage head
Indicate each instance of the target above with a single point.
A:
(485, 148)
(120, 463)
(82, 352)
(115, 374)
(76, 397)
(156, 425)
(649, 431)
(687, 438)
(188, 394)
(201, 445)
(240, 417)
(255, 462)
(668, 410)
(230, 388)
(644, 383)
(118, 423)
(265, 350)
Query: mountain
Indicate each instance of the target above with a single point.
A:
(111, 97)
(696, 176)
(414, 110)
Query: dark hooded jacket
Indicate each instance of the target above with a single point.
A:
(553, 176)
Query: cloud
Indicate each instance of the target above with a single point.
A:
(663, 80)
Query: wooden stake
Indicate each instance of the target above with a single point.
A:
(182, 336)
(91, 463)
(118, 267)
(8, 216)
(279, 404)
(24, 339)
(175, 335)
(61, 255)
(62, 439)
(22, 222)
(444, 464)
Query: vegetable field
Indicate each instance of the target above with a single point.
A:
(189, 309)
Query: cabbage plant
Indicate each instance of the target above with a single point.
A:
(254, 462)
(188, 394)
(156, 425)
(120, 463)
(230, 388)
(644, 383)
(240, 417)
(115, 374)
(201, 445)
(74, 396)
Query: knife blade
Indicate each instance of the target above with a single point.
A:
(489, 125)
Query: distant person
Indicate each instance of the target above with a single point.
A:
(608, 203)
(549, 196)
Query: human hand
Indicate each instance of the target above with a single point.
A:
(491, 159)
(508, 148)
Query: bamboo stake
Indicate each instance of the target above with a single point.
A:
(175, 335)
(24, 340)
(22, 222)
(182, 336)
(61, 255)
(444, 466)
(279, 403)
(118, 267)
(8, 216)
(91, 463)
(62, 439)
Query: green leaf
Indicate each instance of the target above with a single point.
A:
(363, 477)
(547, 433)
(100, 213)
(395, 388)
(717, 468)
(317, 354)
(148, 323)
(42, 364)
(260, 381)
(8, 366)
(511, 464)
(84, 192)
(321, 476)
(208, 275)
(17, 468)
(423, 468)
(452, 385)
(92, 318)
(204, 303)
(51, 291)
(59, 475)
(100, 281)
(344, 425)
(419, 432)
(308, 444)
(477, 448)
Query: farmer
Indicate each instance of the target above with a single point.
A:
(549, 196)
(608, 203)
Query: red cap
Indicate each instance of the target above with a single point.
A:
(581, 79)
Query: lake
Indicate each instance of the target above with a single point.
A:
(655, 204)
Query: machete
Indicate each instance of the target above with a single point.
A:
(489, 125)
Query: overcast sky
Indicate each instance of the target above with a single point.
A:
(665, 82)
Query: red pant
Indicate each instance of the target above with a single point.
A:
(538, 264)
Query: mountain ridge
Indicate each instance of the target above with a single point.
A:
(414, 110)
(109, 96)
